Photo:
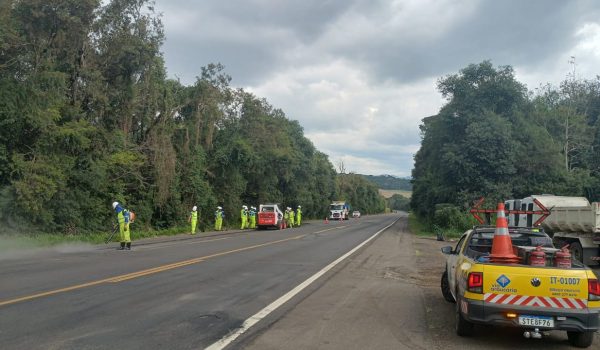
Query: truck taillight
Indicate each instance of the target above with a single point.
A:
(593, 290)
(475, 282)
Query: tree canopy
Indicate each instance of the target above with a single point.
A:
(494, 138)
(88, 116)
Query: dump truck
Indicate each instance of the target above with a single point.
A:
(572, 220)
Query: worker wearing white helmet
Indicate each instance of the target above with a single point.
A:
(123, 222)
(299, 215)
(292, 220)
(252, 217)
(219, 215)
(193, 219)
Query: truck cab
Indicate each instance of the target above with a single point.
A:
(339, 210)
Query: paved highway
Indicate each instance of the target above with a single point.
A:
(185, 292)
(232, 290)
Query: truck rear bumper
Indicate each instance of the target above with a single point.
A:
(585, 320)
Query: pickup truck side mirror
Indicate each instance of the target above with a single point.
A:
(447, 250)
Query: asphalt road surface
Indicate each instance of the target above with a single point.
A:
(194, 292)
(387, 296)
(185, 292)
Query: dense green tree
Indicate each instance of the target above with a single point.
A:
(398, 202)
(361, 193)
(495, 139)
(88, 116)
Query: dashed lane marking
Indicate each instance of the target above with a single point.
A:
(146, 272)
(128, 276)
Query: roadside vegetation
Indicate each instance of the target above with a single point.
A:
(88, 116)
(496, 139)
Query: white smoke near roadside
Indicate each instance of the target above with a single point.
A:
(13, 248)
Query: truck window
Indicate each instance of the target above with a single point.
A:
(459, 245)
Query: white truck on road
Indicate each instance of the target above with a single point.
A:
(339, 210)
(572, 220)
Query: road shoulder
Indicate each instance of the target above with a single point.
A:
(373, 302)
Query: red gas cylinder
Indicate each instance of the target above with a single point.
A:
(537, 257)
(562, 258)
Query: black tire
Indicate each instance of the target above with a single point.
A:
(446, 288)
(463, 327)
(576, 251)
(581, 339)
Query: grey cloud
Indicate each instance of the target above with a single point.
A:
(258, 56)
(246, 63)
(515, 32)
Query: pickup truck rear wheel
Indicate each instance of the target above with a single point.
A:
(463, 327)
(581, 339)
(446, 288)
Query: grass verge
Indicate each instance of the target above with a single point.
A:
(40, 240)
(426, 229)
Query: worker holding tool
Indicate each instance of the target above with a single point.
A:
(193, 219)
(123, 220)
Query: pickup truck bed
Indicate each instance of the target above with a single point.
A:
(520, 295)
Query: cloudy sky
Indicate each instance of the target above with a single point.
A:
(359, 75)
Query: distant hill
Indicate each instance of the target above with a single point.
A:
(389, 182)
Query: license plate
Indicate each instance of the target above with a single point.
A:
(536, 321)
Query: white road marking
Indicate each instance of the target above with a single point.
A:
(254, 319)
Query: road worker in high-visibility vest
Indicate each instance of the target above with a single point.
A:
(193, 219)
(123, 220)
(244, 216)
(299, 215)
(252, 214)
(292, 220)
(286, 217)
(219, 215)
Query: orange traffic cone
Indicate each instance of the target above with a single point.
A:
(502, 251)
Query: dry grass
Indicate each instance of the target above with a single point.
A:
(389, 193)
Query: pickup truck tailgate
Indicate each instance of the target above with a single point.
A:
(535, 287)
